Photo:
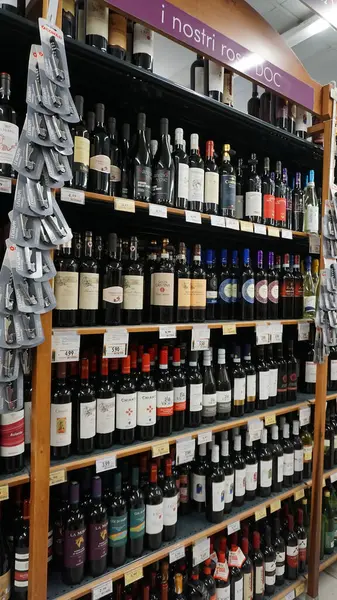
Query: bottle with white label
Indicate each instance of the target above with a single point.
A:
(99, 164)
(21, 556)
(215, 80)
(162, 287)
(60, 416)
(105, 409)
(273, 376)
(302, 542)
(89, 285)
(311, 207)
(310, 368)
(277, 454)
(280, 549)
(223, 388)
(259, 567)
(196, 176)
(332, 369)
(251, 468)
(66, 282)
(81, 157)
(133, 284)
(199, 470)
(215, 489)
(250, 379)
(181, 171)
(291, 570)
(170, 502)
(84, 412)
(247, 570)
(238, 376)
(146, 402)
(221, 576)
(179, 392)
(126, 405)
(112, 292)
(9, 131)
(154, 509)
(211, 181)
(236, 574)
(298, 453)
(265, 466)
(288, 458)
(253, 198)
(97, 25)
(209, 390)
(226, 463)
(194, 391)
(239, 465)
(262, 380)
(143, 46)
(269, 553)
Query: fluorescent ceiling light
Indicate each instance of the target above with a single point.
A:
(317, 27)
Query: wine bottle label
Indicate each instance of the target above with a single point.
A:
(21, 568)
(229, 488)
(280, 469)
(209, 405)
(5, 585)
(329, 540)
(162, 285)
(154, 518)
(261, 291)
(298, 288)
(9, 136)
(224, 401)
(273, 375)
(165, 403)
(184, 293)
(218, 496)
(259, 580)
(335, 441)
(280, 563)
(199, 76)
(170, 510)
(248, 289)
(198, 293)
(183, 179)
(326, 443)
(307, 453)
(251, 478)
(143, 40)
(184, 489)
(292, 556)
(118, 531)
(143, 182)
(311, 219)
(228, 191)
(287, 288)
(212, 187)
(270, 579)
(179, 398)
(126, 411)
(74, 547)
(263, 385)
(137, 523)
(198, 488)
(270, 567)
(292, 381)
(225, 291)
(253, 204)
(97, 540)
(106, 408)
(282, 383)
(238, 589)
(266, 473)
(251, 388)
(97, 22)
(309, 304)
(223, 593)
(60, 424)
(228, 89)
(273, 291)
(195, 397)
(235, 295)
(100, 163)
(133, 286)
(117, 30)
(333, 370)
(239, 482)
(248, 591)
(146, 408)
(82, 153)
(12, 434)
(113, 294)
(301, 120)
(302, 550)
(28, 414)
(196, 185)
(87, 420)
(288, 464)
(215, 77)
(310, 372)
(238, 207)
(280, 209)
(239, 391)
(269, 206)
(115, 174)
(66, 290)
(161, 185)
(298, 460)
(89, 288)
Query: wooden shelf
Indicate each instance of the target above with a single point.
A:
(287, 587)
(15, 479)
(326, 562)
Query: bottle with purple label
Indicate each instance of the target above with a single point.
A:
(261, 289)
(97, 531)
(247, 288)
(273, 288)
(74, 539)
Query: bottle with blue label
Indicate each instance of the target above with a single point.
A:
(227, 184)
(261, 289)
(235, 312)
(247, 288)
(211, 287)
(225, 288)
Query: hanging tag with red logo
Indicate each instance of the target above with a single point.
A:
(236, 557)
(221, 571)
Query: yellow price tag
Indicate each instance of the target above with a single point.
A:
(247, 226)
(125, 205)
(299, 495)
(160, 449)
(260, 514)
(57, 477)
(273, 232)
(4, 494)
(275, 506)
(229, 329)
(270, 419)
(133, 575)
(300, 589)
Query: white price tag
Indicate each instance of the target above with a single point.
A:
(200, 337)
(5, 185)
(157, 210)
(167, 332)
(314, 243)
(115, 342)
(102, 590)
(273, 232)
(286, 234)
(333, 477)
(217, 221)
(262, 334)
(233, 527)
(200, 552)
(276, 332)
(303, 331)
(74, 196)
(185, 451)
(192, 217)
(204, 438)
(106, 464)
(124, 205)
(65, 347)
(305, 415)
(232, 224)
(177, 554)
(261, 229)
(290, 595)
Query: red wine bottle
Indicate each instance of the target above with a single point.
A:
(261, 289)
(136, 508)
(292, 369)
(97, 525)
(262, 380)
(59, 517)
(288, 458)
(239, 465)
(259, 567)
(112, 289)
(74, 539)
(287, 291)
(179, 392)
(199, 469)
(118, 523)
(208, 579)
(298, 288)
(238, 377)
(170, 502)
(211, 181)
(9, 131)
(253, 106)
(268, 195)
(247, 288)
(194, 392)
(250, 379)
(106, 408)
(126, 405)
(84, 413)
(181, 171)
(302, 542)
(89, 285)
(196, 176)
(298, 453)
(225, 288)
(236, 576)
(162, 287)
(273, 374)
(66, 284)
(282, 376)
(247, 570)
(291, 567)
(5, 562)
(215, 489)
(209, 390)
(133, 282)
(198, 287)
(21, 555)
(165, 397)
(162, 183)
(270, 562)
(99, 167)
(277, 453)
(251, 469)
(60, 415)
(273, 288)
(146, 402)
(141, 163)
(228, 469)
(265, 466)
(12, 441)
(154, 518)
(182, 286)
(223, 388)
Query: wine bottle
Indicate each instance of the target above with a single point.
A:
(99, 165)
(227, 466)
(280, 549)
(261, 289)
(60, 416)
(251, 469)
(194, 392)
(118, 523)
(170, 502)
(262, 380)
(227, 184)
(181, 171)
(307, 442)
(298, 204)
(117, 40)
(298, 288)
(84, 413)
(179, 392)
(198, 287)
(154, 520)
(223, 388)
(247, 288)
(287, 291)
(277, 457)
(215, 489)
(288, 458)
(250, 380)
(207, 578)
(259, 568)
(66, 284)
(268, 195)
(112, 288)
(209, 402)
(211, 181)
(298, 453)
(267, 107)
(81, 158)
(309, 292)
(280, 197)
(236, 577)
(136, 509)
(311, 208)
(253, 106)
(198, 76)
(225, 288)
(143, 46)
(89, 285)
(292, 369)
(106, 407)
(165, 397)
(238, 377)
(126, 405)
(273, 376)
(211, 287)
(97, 25)
(21, 555)
(196, 176)
(239, 465)
(97, 524)
(265, 466)
(291, 566)
(74, 539)
(247, 570)
(146, 402)
(125, 165)
(184, 489)
(215, 80)
(182, 286)
(235, 275)
(302, 542)
(270, 562)
(239, 204)
(162, 287)
(115, 159)
(133, 284)
(141, 163)
(253, 198)
(199, 470)
(328, 526)
(162, 187)
(9, 131)
(59, 515)
(282, 377)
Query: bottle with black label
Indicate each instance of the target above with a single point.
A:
(253, 198)
(125, 165)
(118, 523)
(66, 283)
(89, 285)
(280, 197)
(142, 163)
(182, 286)
(211, 287)
(251, 469)
(238, 377)
(239, 465)
(74, 550)
(136, 521)
(227, 184)
(277, 455)
(181, 171)
(81, 157)
(99, 165)
(196, 176)
(106, 407)
(250, 379)
(60, 416)
(162, 186)
(211, 181)
(115, 159)
(117, 40)
(97, 25)
(194, 392)
(143, 46)
(133, 286)
(162, 287)
(198, 76)
(273, 376)
(265, 466)
(223, 388)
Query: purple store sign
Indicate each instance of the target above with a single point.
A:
(179, 25)
(324, 8)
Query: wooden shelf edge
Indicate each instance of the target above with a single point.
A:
(292, 586)
(160, 554)
(13, 480)
(328, 562)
